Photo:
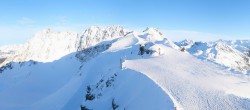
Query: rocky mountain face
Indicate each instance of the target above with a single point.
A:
(47, 46)
(95, 34)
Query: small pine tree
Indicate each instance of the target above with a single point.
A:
(84, 107)
(88, 89)
(114, 105)
(89, 96)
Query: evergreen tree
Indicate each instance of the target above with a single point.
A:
(114, 105)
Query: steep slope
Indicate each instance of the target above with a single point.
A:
(28, 85)
(129, 89)
(154, 35)
(220, 53)
(232, 58)
(190, 83)
(48, 46)
(241, 45)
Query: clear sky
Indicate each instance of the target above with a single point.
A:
(178, 19)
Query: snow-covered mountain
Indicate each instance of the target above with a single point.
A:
(48, 46)
(100, 69)
(95, 34)
(232, 54)
(241, 45)
(6, 51)
(187, 43)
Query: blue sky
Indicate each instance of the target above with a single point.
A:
(178, 19)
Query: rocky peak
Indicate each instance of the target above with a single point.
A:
(94, 35)
(185, 43)
(153, 31)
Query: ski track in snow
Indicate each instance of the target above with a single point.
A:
(194, 84)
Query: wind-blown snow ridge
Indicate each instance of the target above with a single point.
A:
(193, 84)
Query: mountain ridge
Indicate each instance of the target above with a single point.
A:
(219, 52)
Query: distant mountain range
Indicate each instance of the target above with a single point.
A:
(47, 46)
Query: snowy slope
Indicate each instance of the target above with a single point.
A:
(241, 45)
(154, 35)
(47, 46)
(103, 69)
(7, 52)
(190, 83)
(225, 53)
(194, 84)
(61, 84)
(129, 89)
(27, 85)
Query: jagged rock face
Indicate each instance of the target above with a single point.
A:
(47, 46)
(94, 35)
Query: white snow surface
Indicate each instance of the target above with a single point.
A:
(165, 79)
(194, 84)
(38, 86)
